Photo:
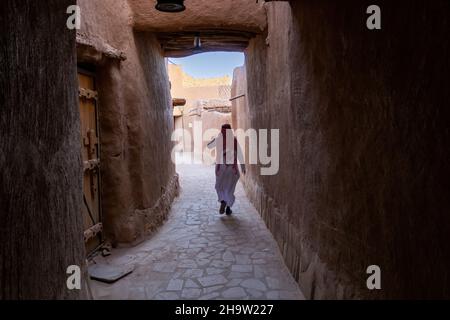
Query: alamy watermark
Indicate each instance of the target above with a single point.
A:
(374, 20)
(374, 280)
(74, 20)
(74, 279)
(253, 147)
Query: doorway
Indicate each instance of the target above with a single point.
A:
(90, 150)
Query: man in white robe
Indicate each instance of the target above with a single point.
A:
(227, 173)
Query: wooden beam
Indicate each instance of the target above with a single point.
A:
(178, 102)
(180, 44)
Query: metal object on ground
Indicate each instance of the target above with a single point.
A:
(108, 273)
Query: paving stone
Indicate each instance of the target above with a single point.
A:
(199, 254)
(243, 259)
(203, 255)
(213, 271)
(191, 293)
(193, 222)
(246, 250)
(217, 257)
(220, 264)
(228, 256)
(211, 289)
(152, 288)
(187, 264)
(260, 271)
(212, 280)
(255, 294)
(167, 296)
(191, 284)
(137, 293)
(209, 249)
(175, 285)
(202, 262)
(273, 283)
(239, 275)
(259, 261)
(234, 293)
(259, 255)
(199, 240)
(287, 295)
(193, 273)
(166, 267)
(234, 283)
(193, 251)
(201, 245)
(273, 295)
(210, 296)
(242, 268)
(177, 274)
(254, 284)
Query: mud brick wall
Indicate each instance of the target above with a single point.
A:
(138, 177)
(363, 118)
(41, 229)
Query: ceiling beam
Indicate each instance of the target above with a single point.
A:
(176, 44)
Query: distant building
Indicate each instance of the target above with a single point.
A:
(207, 101)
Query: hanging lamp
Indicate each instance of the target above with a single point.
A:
(170, 5)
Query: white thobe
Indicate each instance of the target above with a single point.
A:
(227, 176)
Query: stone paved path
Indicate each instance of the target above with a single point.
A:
(199, 254)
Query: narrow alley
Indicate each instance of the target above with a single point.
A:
(335, 113)
(199, 254)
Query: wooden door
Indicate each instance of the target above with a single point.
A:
(90, 148)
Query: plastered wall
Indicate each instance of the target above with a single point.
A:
(363, 118)
(138, 176)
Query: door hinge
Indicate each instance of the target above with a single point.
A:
(93, 231)
(87, 94)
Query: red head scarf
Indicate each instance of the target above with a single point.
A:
(224, 130)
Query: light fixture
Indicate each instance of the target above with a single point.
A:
(197, 42)
(170, 5)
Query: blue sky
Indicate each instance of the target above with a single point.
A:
(211, 64)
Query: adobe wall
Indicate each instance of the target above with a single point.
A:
(207, 101)
(135, 122)
(41, 229)
(240, 114)
(363, 118)
(194, 89)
